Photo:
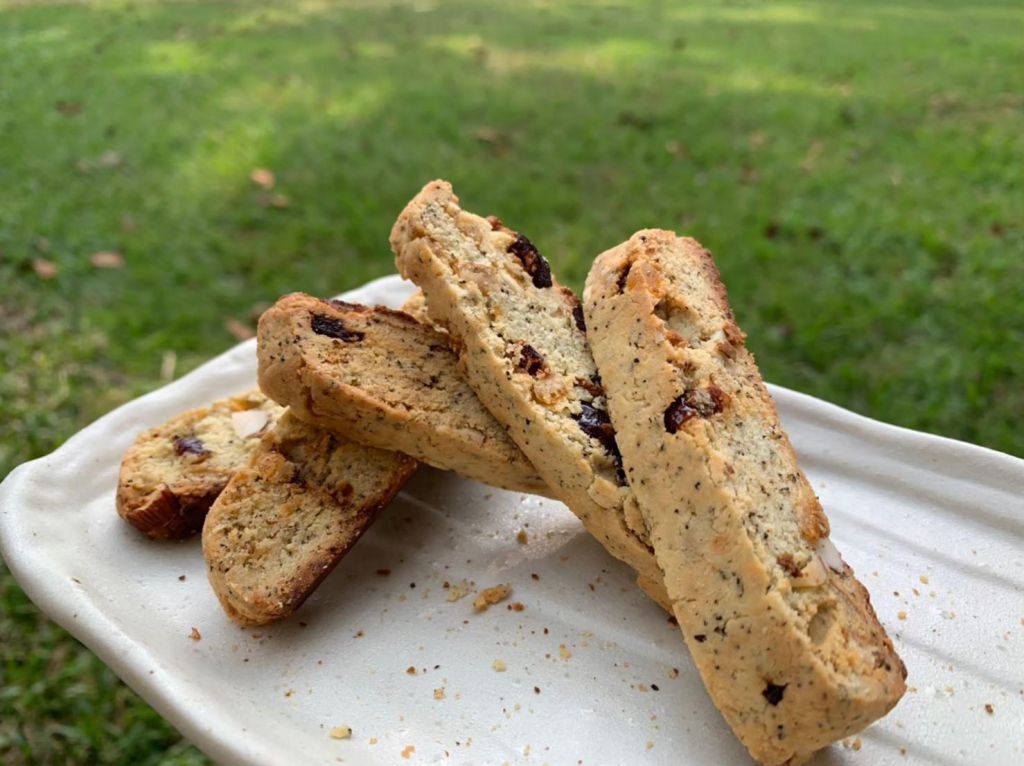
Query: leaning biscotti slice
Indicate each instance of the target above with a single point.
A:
(782, 632)
(172, 473)
(383, 379)
(521, 342)
(284, 521)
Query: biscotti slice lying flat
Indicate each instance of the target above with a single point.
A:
(381, 378)
(520, 338)
(284, 521)
(172, 473)
(782, 632)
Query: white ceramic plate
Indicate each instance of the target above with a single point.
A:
(935, 528)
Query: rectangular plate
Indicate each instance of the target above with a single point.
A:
(934, 528)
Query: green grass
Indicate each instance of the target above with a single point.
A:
(855, 169)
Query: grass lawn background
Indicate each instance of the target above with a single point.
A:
(855, 170)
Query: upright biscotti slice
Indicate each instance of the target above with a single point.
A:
(286, 520)
(520, 339)
(381, 378)
(172, 473)
(782, 632)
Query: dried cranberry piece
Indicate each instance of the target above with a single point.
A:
(190, 445)
(773, 693)
(693, 402)
(533, 262)
(530, 361)
(335, 328)
(596, 424)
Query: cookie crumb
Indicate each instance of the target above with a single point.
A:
(536, 690)
(341, 732)
(674, 673)
(516, 606)
(536, 576)
(181, 578)
(902, 615)
(439, 693)
(359, 634)
(490, 596)
(195, 635)
(522, 538)
(373, 740)
(923, 579)
(856, 744)
(499, 666)
(410, 670)
(989, 709)
(563, 652)
(408, 750)
(649, 745)
(457, 590)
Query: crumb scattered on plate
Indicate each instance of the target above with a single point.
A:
(522, 538)
(563, 652)
(499, 666)
(923, 579)
(902, 615)
(456, 590)
(411, 670)
(195, 635)
(490, 596)
(439, 693)
(989, 709)
(516, 606)
(341, 732)
(408, 751)
(856, 744)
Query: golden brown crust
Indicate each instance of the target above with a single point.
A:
(782, 632)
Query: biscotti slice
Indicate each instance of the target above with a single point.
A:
(381, 378)
(782, 632)
(285, 520)
(172, 473)
(520, 339)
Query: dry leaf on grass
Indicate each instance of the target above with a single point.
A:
(44, 269)
(239, 330)
(107, 259)
(278, 201)
(262, 177)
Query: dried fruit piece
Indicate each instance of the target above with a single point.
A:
(189, 445)
(334, 328)
(530, 361)
(773, 693)
(693, 402)
(596, 424)
(533, 262)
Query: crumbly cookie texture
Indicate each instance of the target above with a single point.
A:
(285, 520)
(383, 379)
(172, 473)
(521, 343)
(782, 632)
